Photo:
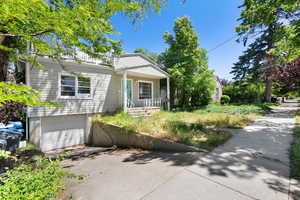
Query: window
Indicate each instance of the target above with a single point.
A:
(84, 86)
(145, 90)
(75, 87)
(68, 86)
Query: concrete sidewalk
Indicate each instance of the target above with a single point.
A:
(254, 164)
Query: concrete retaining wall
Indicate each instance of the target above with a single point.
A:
(106, 135)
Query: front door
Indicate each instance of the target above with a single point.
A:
(129, 89)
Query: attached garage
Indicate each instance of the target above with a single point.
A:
(59, 131)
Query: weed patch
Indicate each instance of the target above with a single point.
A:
(192, 126)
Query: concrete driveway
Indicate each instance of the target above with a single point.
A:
(254, 164)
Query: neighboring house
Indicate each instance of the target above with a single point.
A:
(216, 96)
(86, 89)
(218, 91)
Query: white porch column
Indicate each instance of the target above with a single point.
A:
(168, 93)
(125, 98)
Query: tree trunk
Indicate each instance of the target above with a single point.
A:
(269, 79)
(268, 90)
(4, 59)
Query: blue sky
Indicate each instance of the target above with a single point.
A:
(213, 20)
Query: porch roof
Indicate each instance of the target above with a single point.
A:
(148, 71)
(140, 65)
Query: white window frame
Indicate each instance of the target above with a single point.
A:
(152, 92)
(77, 96)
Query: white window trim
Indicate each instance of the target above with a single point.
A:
(152, 92)
(77, 96)
(122, 89)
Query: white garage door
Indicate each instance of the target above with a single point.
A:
(62, 131)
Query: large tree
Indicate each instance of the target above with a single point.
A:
(251, 64)
(275, 24)
(187, 63)
(57, 27)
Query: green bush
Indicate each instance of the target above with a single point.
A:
(204, 87)
(36, 181)
(245, 92)
(12, 111)
(225, 99)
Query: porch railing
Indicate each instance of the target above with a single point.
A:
(76, 55)
(130, 104)
(83, 57)
(156, 102)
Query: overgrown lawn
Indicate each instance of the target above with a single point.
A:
(191, 127)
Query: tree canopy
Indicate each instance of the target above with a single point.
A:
(258, 15)
(146, 52)
(250, 63)
(58, 27)
(288, 77)
(187, 64)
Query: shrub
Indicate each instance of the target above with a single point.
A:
(204, 87)
(37, 181)
(245, 92)
(12, 112)
(225, 99)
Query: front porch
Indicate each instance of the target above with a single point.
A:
(142, 92)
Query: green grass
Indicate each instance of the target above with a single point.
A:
(171, 126)
(259, 109)
(295, 150)
(194, 127)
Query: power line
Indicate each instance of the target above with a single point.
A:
(229, 40)
(223, 43)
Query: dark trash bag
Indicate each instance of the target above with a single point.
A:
(9, 141)
(10, 135)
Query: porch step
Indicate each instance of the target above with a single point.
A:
(142, 112)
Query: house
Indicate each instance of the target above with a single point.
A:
(89, 88)
(218, 91)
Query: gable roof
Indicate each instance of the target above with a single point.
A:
(139, 55)
(135, 61)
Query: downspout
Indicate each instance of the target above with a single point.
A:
(27, 80)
